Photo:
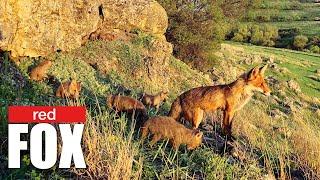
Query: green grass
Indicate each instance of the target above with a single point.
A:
(111, 144)
(308, 28)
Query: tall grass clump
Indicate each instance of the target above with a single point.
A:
(109, 148)
(287, 147)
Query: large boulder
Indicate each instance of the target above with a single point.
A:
(127, 15)
(38, 27)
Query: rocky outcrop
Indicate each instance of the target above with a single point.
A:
(294, 86)
(127, 15)
(38, 27)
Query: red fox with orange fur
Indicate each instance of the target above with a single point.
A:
(230, 98)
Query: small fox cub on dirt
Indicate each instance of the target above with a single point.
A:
(40, 72)
(128, 105)
(69, 89)
(162, 127)
(154, 100)
(230, 98)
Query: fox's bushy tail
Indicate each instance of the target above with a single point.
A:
(176, 109)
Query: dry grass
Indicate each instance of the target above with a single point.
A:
(306, 144)
(109, 149)
(286, 146)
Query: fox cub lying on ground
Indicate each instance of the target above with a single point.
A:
(230, 98)
(69, 89)
(167, 128)
(40, 72)
(154, 100)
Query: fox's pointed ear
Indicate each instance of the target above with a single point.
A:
(263, 69)
(253, 73)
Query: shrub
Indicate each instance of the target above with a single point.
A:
(270, 35)
(300, 41)
(259, 35)
(315, 49)
(195, 27)
(263, 18)
(256, 35)
(286, 37)
(242, 34)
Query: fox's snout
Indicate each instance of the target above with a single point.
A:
(267, 93)
(266, 89)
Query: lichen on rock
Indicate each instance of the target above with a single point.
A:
(37, 28)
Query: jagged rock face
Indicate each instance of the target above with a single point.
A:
(38, 27)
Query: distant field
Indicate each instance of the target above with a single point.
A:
(288, 14)
(308, 28)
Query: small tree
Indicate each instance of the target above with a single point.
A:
(256, 35)
(270, 35)
(300, 42)
(242, 34)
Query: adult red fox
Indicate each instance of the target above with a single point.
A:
(230, 98)
(162, 127)
(40, 72)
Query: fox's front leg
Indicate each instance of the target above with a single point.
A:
(227, 121)
(155, 139)
(197, 117)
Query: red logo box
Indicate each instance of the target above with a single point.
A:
(47, 114)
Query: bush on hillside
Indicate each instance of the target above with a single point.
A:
(270, 35)
(263, 18)
(292, 5)
(265, 35)
(242, 34)
(194, 27)
(300, 42)
(315, 40)
(314, 49)
(256, 35)
(286, 37)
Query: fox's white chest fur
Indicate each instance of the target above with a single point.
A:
(244, 97)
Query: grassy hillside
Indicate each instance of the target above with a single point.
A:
(288, 15)
(275, 137)
(301, 66)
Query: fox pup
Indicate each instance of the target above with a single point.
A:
(163, 127)
(128, 105)
(230, 98)
(69, 89)
(154, 100)
(40, 72)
